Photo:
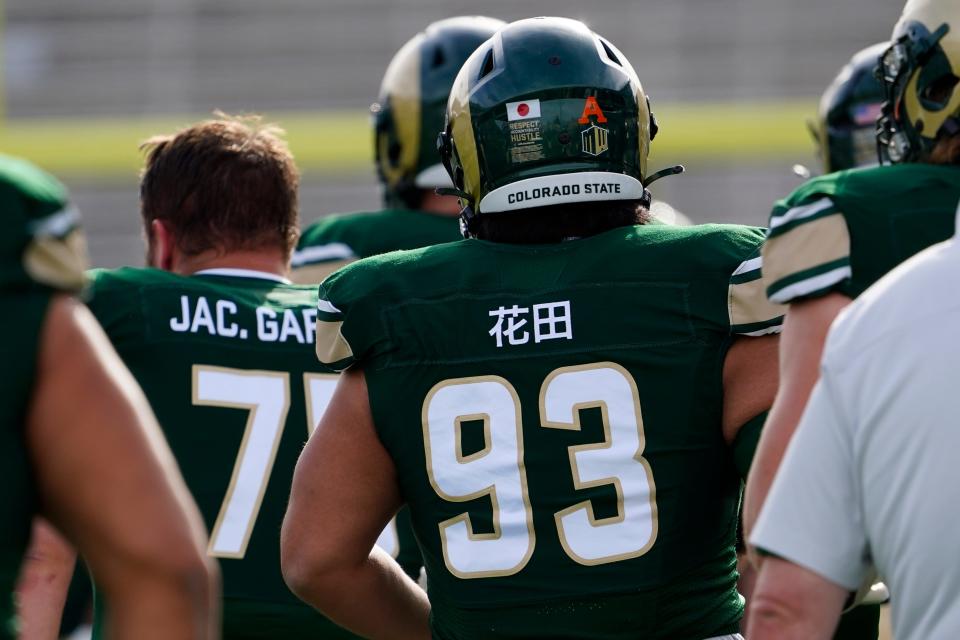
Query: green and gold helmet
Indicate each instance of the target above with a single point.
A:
(920, 71)
(846, 131)
(546, 112)
(413, 98)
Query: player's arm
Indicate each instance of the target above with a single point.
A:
(811, 541)
(750, 364)
(108, 481)
(793, 603)
(344, 492)
(806, 265)
(749, 382)
(44, 580)
(801, 346)
(749, 385)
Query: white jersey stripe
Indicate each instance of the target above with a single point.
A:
(749, 265)
(815, 283)
(327, 307)
(321, 253)
(799, 213)
(57, 224)
(760, 332)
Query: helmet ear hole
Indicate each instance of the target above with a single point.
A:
(393, 153)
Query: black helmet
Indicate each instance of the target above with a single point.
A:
(847, 123)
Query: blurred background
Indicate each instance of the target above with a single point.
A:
(83, 82)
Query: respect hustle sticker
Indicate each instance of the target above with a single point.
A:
(523, 110)
(526, 140)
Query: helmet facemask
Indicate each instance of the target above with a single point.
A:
(920, 91)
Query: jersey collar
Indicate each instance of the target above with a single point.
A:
(242, 273)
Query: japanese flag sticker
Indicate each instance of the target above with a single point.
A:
(523, 110)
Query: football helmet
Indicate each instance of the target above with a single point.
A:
(846, 126)
(412, 101)
(920, 72)
(546, 112)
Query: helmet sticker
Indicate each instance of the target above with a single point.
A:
(594, 140)
(523, 110)
(866, 114)
(591, 108)
(542, 191)
(526, 139)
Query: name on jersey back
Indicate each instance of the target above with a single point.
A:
(223, 318)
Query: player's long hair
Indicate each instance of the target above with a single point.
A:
(546, 225)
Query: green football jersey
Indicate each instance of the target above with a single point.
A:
(843, 231)
(554, 413)
(336, 240)
(225, 359)
(41, 252)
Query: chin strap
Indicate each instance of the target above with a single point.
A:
(647, 197)
(452, 191)
(663, 173)
(466, 211)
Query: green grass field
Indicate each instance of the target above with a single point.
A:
(339, 142)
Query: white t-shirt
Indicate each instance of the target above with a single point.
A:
(872, 475)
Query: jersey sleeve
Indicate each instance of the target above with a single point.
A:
(750, 312)
(807, 252)
(333, 349)
(348, 311)
(44, 246)
(319, 253)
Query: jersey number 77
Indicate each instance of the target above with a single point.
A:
(265, 395)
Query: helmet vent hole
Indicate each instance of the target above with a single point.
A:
(439, 58)
(610, 54)
(487, 67)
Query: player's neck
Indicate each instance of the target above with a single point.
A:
(260, 260)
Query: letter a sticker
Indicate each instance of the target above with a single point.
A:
(591, 108)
